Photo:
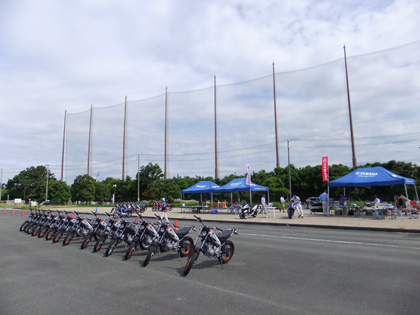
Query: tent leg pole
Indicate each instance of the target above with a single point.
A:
(406, 192)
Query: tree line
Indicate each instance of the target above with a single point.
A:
(31, 184)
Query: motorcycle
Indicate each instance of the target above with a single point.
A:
(106, 232)
(246, 211)
(291, 210)
(124, 232)
(98, 225)
(213, 245)
(170, 239)
(143, 238)
(79, 227)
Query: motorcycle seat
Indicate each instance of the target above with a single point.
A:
(183, 231)
(223, 236)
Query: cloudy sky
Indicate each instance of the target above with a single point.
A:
(58, 56)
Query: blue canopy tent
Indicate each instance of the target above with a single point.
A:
(239, 184)
(202, 187)
(373, 176)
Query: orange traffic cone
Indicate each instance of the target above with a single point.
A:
(176, 224)
(23, 213)
(5, 210)
(135, 220)
(13, 211)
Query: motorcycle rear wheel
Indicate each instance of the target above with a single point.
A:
(227, 252)
(23, 226)
(186, 246)
(50, 235)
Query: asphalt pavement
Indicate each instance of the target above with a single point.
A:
(276, 269)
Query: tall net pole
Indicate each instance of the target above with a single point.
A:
(166, 133)
(216, 169)
(124, 134)
(89, 142)
(350, 116)
(64, 143)
(275, 119)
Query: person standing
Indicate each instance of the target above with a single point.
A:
(163, 210)
(263, 204)
(324, 199)
(298, 205)
(343, 201)
(282, 200)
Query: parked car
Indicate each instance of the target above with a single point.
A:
(48, 202)
(315, 205)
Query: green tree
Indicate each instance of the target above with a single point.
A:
(59, 191)
(83, 188)
(102, 192)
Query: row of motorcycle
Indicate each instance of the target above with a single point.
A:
(152, 237)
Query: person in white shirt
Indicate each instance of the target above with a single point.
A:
(298, 205)
(263, 205)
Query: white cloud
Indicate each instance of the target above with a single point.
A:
(58, 56)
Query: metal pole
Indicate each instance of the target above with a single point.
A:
(290, 176)
(275, 119)
(138, 179)
(90, 134)
(46, 186)
(1, 183)
(64, 143)
(124, 132)
(350, 115)
(166, 132)
(216, 169)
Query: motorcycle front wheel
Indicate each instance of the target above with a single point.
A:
(192, 258)
(130, 250)
(57, 237)
(152, 250)
(110, 248)
(68, 239)
(227, 252)
(99, 244)
(86, 242)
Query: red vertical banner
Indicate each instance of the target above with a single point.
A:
(325, 169)
(248, 177)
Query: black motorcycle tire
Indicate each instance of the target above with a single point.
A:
(86, 242)
(110, 248)
(130, 250)
(227, 252)
(99, 245)
(35, 232)
(23, 226)
(192, 258)
(57, 236)
(186, 246)
(68, 239)
(50, 235)
(31, 228)
(152, 250)
(42, 232)
(26, 230)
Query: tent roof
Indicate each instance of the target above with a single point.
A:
(239, 184)
(206, 186)
(372, 176)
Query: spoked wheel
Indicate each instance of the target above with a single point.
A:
(110, 248)
(43, 232)
(186, 246)
(36, 231)
(227, 252)
(99, 244)
(57, 237)
(130, 250)
(22, 227)
(68, 239)
(86, 242)
(49, 235)
(150, 253)
(192, 258)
